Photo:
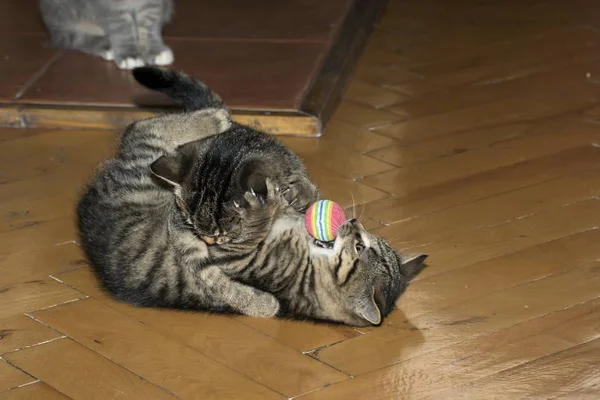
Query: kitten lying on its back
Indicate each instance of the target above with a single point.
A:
(126, 31)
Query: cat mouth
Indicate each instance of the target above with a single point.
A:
(323, 245)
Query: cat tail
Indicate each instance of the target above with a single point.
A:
(183, 89)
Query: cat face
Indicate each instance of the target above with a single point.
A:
(213, 222)
(209, 187)
(368, 276)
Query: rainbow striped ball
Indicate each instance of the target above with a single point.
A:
(323, 219)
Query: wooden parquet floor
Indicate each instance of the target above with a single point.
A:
(470, 130)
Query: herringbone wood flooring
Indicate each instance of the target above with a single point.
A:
(469, 130)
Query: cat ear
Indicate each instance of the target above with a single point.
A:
(167, 169)
(413, 266)
(367, 310)
(172, 169)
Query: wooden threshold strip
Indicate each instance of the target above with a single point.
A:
(38, 116)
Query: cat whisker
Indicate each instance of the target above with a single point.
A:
(353, 203)
(396, 237)
(364, 207)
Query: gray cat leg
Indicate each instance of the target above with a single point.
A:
(149, 21)
(168, 132)
(242, 298)
(121, 30)
(86, 43)
(158, 52)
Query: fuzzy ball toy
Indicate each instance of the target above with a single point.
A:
(323, 219)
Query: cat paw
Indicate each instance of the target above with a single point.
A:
(165, 57)
(130, 63)
(256, 201)
(300, 195)
(265, 305)
(108, 55)
(220, 115)
(224, 118)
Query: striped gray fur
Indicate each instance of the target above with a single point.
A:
(211, 176)
(126, 31)
(139, 224)
(137, 235)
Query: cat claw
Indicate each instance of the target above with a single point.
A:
(256, 201)
(252, 199)
(236, 204)
(130, 63)
(273, 191)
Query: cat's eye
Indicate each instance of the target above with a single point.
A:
(359, 247)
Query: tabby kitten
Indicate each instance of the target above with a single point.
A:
(214, 173)
(126, 31)
(356, 281)
(138, 236)
(146, 250)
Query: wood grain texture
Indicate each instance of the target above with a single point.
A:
(36, 265)
(573, 367)
(92, 118)
(171, 364)
(89, 375)
(458, 137)
(233, 344)
(20, 331)
(431, 374)
(11, 377)
(34, 391)
(471, 319)
(34, 295)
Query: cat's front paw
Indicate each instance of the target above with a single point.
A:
(301, 195)
(165, 57)
(264, 305)
(129, 63)
(257, 203)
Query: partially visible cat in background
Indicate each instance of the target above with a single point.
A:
(126, 31)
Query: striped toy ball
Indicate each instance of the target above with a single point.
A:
(323, 219)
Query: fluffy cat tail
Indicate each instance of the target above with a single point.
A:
(183, 89)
